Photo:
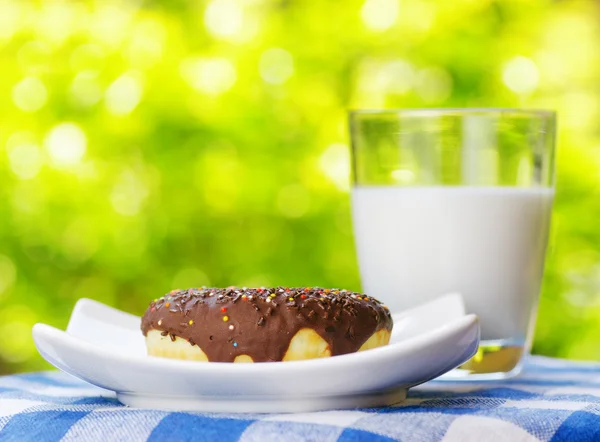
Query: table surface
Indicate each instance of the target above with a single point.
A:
(552, 400)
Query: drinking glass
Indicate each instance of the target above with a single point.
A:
(457, 200)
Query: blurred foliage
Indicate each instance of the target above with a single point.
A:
(153, 145)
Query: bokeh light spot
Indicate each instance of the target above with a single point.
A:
(66, 143)
(110, 22)
(87, 57)
(434, 85)
(521, 75)
(9, 18)
(56, 20)
(212, 76)
(335, 164)
(34, 57)
(124, 94)
(128, 194)
(25, 160)
(293, 201)
(85, 89)
(146, 46)
(379, 15)
(29, 94)
(403, 176)
(397, 76)
(223, 18)
(378, 78)
(276, 65)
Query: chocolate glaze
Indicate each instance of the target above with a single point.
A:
(265, 320)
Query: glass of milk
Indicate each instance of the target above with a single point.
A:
(457, 200)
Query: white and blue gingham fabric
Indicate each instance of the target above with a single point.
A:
(553, 400)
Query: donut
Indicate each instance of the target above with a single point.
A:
(263, 324)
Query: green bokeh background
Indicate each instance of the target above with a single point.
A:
(151, 145)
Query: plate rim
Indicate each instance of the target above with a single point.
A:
(410, 344)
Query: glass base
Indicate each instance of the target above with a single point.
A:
(494, 360)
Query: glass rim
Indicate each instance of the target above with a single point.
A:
(458, 111)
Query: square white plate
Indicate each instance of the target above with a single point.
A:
(105, 347)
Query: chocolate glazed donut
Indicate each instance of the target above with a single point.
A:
(263, 324)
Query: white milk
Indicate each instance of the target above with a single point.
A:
(415, 244)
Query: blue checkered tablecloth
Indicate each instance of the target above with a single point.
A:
(553, 400)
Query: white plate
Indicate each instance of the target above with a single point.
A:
(105, 347)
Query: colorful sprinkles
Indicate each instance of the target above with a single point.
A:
(309, 302)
